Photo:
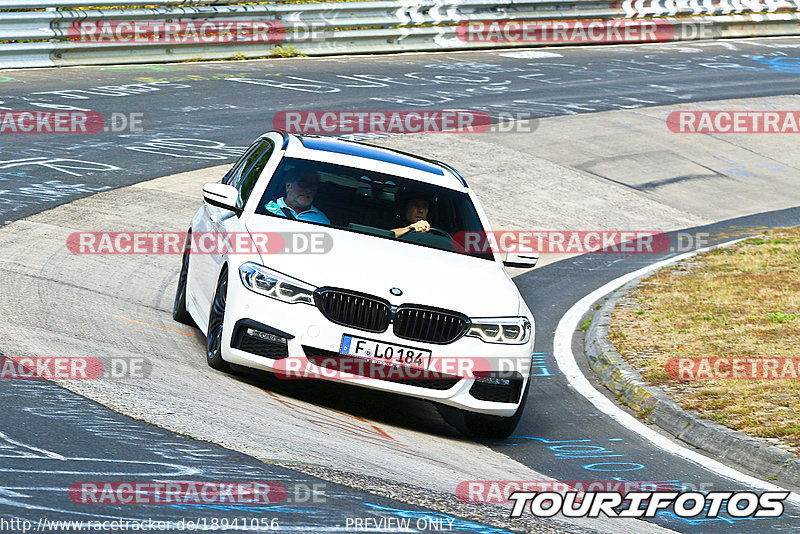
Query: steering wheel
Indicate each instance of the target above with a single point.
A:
(434, 230)
(440, 232)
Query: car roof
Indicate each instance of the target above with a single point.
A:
(385, 160)
(368, 151)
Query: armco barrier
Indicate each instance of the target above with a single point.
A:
(69, 32)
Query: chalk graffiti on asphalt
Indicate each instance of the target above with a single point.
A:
(131, 89)
(181, 147)
(73, 167)
(38, 193)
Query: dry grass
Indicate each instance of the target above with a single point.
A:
(742, 301)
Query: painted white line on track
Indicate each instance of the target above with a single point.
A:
(562, 348)
(529, 54)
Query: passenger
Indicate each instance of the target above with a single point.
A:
(301, 189)
(415, 212)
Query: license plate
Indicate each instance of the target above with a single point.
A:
(386, 353)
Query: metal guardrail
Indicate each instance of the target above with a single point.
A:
(62, 4)
(322, 16)
(50, 33)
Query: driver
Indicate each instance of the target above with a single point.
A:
(301, 189)
(415, 213)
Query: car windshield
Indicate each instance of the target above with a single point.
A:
(368, 202)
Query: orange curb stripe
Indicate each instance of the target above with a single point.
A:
(162, 327)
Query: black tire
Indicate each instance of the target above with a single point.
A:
(216, 321)
(484, 426)
(179, 312)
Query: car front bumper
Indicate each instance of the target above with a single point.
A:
(307, 336)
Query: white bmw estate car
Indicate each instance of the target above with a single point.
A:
(391, 286)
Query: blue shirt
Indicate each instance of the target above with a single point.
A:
(312, 214)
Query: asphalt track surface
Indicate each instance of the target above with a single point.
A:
(203, 114)
(61, 439)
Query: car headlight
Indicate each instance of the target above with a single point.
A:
(509, 330)
(265, 282)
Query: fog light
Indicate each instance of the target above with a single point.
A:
(266, 336)
(495, 381)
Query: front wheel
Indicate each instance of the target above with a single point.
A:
(216, 320)
(484, 426)
(179, 312)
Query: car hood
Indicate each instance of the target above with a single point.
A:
(374, 265)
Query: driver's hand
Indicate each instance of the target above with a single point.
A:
(420, 226)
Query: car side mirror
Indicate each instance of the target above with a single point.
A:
(222, 196)
(523, 261)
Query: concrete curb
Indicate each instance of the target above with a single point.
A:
(654, 406)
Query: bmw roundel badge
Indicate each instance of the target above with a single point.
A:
(395, 291)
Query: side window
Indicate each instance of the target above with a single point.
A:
(235, 172)
(245, 179)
